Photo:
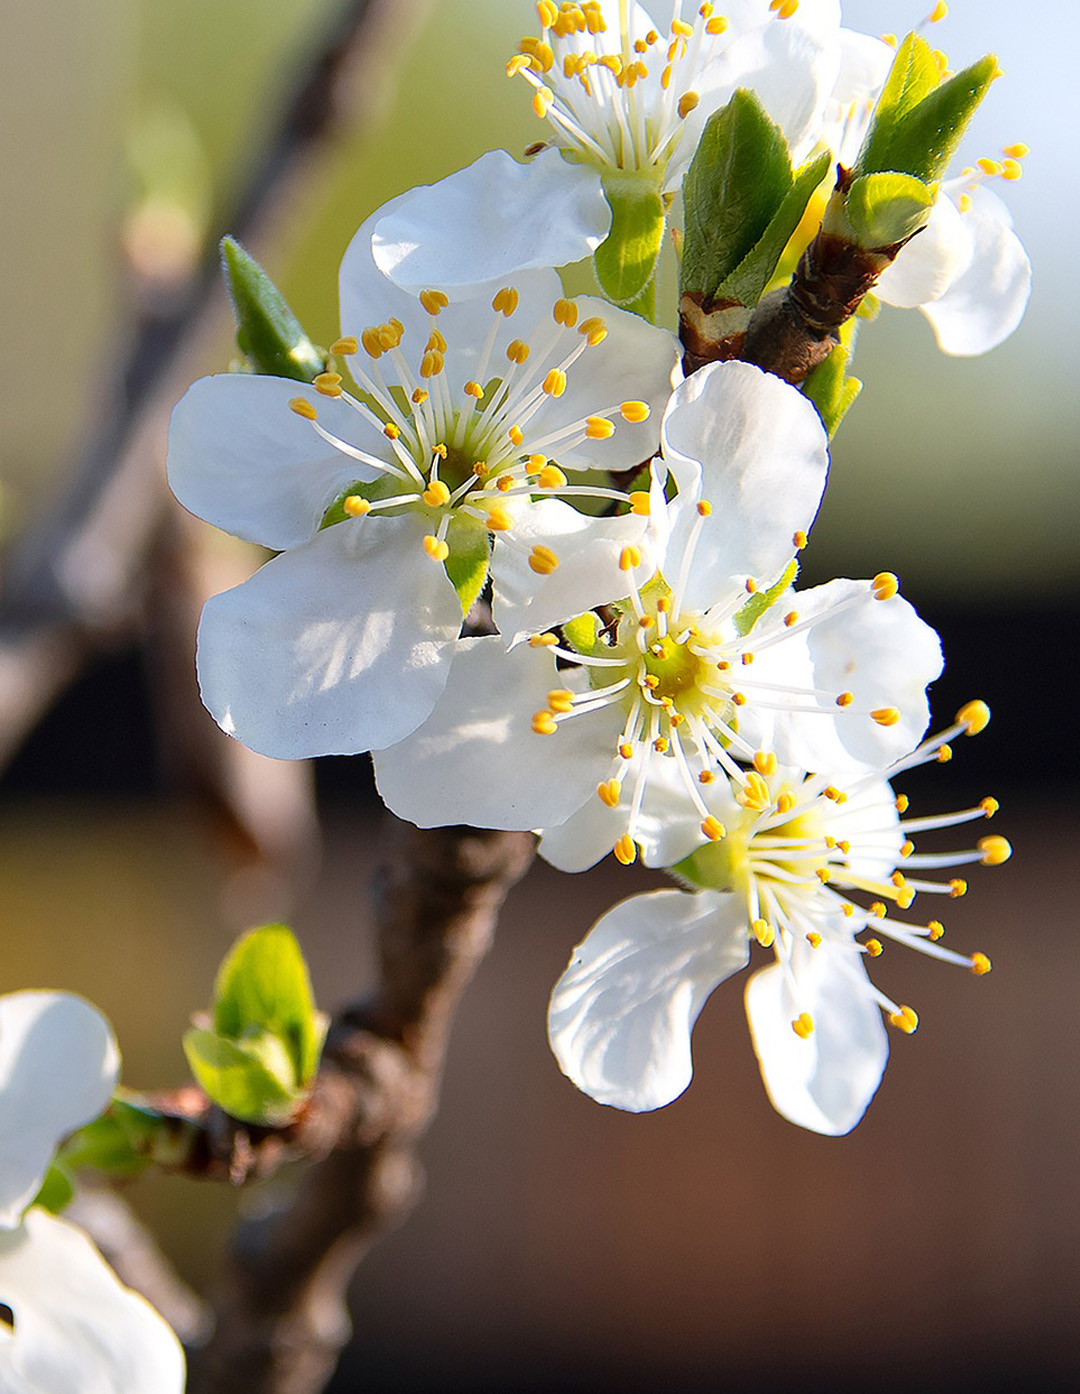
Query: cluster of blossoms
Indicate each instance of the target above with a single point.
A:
(548, 580)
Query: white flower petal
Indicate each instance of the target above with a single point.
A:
(983, 306)
(880, 651)
(760, 452)
(622, 1013)
(77, 1329)
(824, 1082)
(492, 220)
(588, 573)
(240, 459)
(332, 648)
(928, 265)
(477, 759)
(58, 1068)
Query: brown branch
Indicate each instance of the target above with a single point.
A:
(282, 1321)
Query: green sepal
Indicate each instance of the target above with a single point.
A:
(583, 633)
(625, 261)
(750, 279)
(268, 334)
(467, 564)
(253, 1080)
(884, 209)
(919, 119)
(263, 990)
(120, 1143)
(736, 185)
(828, 386)
(761, 601)
(56, 1192)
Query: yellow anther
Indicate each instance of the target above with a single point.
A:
(663, 605)
(548, 13)
(634, 412)
(739, 699)
(989, 166)
(898, 879)
(885, 716)
(751, 586)
(560, 699)
(799, 539)
(651, 681)
(640, 503)
(792, 617)
(609, 792)
(440, 450)
(765, 762)
(814, 939)
(845, 699)
(906, 1020)
(434, 301)
(625, 850)
(392, 332)
(704, 508)
(974, 716)
(473, 389)
(832, 792)
(823, 873)
(565, 312)
(593, 330)
(665, 77)
(957, 887)
(390, 431)
(844, 845)
(989, 806)
(980, 965)
(706, 777)
(680, 29)
(936, 930)
(436, 550)
(544, 724)
(965, 203)
(517, 350)
(754, 792)
(1017, 152)
(343, 347)
(517, 64)
(646, 622)
(431, 365)
(370, 340)
(303, 408)
(543, 641)
(884, 585)
(660, 745)
(354, 506)
(902, 803)
(874, 948)
(995, 850)
(542, 100)
(1012, 170)
(626, 750)
(889, 39)
(716, 26)
(938, 13)
(419, 397)
(599, 428)
(687, 103)
(713, 829)
(516, 435)
(784, 8)
(543, 560)
(436, 495)
(785, 803)
(551, 477)
(878, 909)
(498, 520)
(907, 847)
(803, 1025)
(555, 383)
(763, 932)
(629, 558)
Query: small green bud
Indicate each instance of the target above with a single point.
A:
(267, 332)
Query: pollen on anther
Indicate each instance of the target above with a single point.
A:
(938, 13)
(803, 1025)
(989, 806)
(543, 560)
(544, 724)
(302, 407)
(345, 346)
(555, 383)
(885, 716)
(560, 699)
(763, 932)
(498, 520)
(599, 428)
(936, 930)
(640, 503)
(706, 777)
(625, 850)
(906, 1020)
(704, 508)
(884, 585)
(814, 939)
(957, 887)
(565, 312)
(688, 102)
(785, 803)
(434, 301)
(436, 495)
(974, 716)
(543, 641)
(980, 964)
(626, 750)
(473, 389)
(765, 762)
(629, 558)
(354, 506)
(505, 301)
(792, 617)
(436, 549)
(609, 792)
(634, 412)
(995, 850)
(713, 829)
(593, 330)
(390, 431)
(845, 699)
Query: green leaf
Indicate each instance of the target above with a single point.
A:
(761, 601)
(919, 119)
(737, 182)
(263, 987)
(750, 279)
(56, 1192)
(582, 633)
(467, 564)
(626, 260)
(830, 389)
(883, 209)
(252, 1080)
(268, 333)
(119, 1143)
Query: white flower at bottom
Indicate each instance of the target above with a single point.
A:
(797, 856)
(76, 1329)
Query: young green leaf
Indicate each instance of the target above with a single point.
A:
(267, 332)
(828, 386)
(884, 209)
(467, 564)
(761, 601)
(625, 261)
(252, 1080)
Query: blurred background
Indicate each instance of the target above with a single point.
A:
(560, 1245)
